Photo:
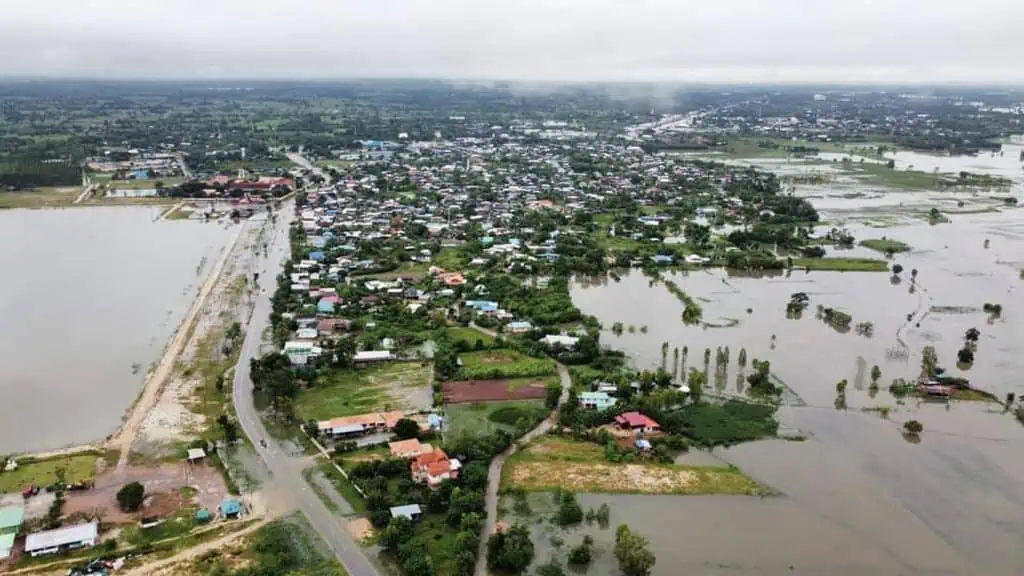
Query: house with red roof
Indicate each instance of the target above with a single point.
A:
(435, 467)
(637, 422)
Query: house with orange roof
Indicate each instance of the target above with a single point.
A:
(411, 448)
(360, 424)
(435, 467)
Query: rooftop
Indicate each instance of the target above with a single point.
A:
(62, 536)
(11, 517)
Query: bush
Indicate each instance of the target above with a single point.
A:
(581, 555)
(130, 496)
(569, 511)
(510, 551)
(406, 429)
(508, 415)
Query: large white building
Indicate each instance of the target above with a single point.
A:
(62, 539)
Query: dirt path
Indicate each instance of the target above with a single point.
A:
(128, 432)
(169, 566)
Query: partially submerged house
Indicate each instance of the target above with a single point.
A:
(11, 518)
(597, 400)
(637, 423)
(435, 467)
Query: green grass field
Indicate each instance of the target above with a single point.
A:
(496, 364)
(483, 418)
(469, 335)
(415, 270)
(40, 197)
(353, 392)
(885, 245)
(842, 264)
(43, 473)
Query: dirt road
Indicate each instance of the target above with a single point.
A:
(128, 432)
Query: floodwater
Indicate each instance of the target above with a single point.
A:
(89, 300)
(857, 498)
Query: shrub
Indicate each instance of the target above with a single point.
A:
(130, 496)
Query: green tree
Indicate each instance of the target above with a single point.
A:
(228, 427)
(912, 427)
(130, 496)
(511, 550)
(581, 555)
(696, 381)
(553, 394)
(406, 429)
(633, 552)
(876, 373)
(399, 530)
(569, 511)
(552, 568)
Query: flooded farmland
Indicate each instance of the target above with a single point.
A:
(90, 298)
(855, 497)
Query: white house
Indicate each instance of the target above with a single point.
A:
(62, 539)
(563, 341)
(300, 352)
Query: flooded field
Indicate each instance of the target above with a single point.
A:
(856, 497)
(90, 299)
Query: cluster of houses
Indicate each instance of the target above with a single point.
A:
(45, 542)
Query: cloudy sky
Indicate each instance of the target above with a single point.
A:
(551, 40)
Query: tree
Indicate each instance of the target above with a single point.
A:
(130, 496)
(510, 551)
(229, 427)
(965, 356)
(399, 530)
(553, 394)
(696, 381)
(897, 269)
(603, 514)
(876, 373)
(972, 335)
(569, 511)
(552, 568)
(912, 427)
(633, 552)
(581, 555)
(841, 386)
(406, 429)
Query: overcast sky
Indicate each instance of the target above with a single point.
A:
(552, 40)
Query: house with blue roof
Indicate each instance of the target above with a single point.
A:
(230, 508)
(325, 306)
(596, 400)
(318, 241)
(317, 256)
(661, 259)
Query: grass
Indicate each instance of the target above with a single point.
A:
(42, 473)
(347, 393)
(450, 259)
(748, 147)
(891, 178)
(482, 418)
(180, 213)
(344, 487)
(612, 243)
(563, 464)
(40, 197)
(885, 245)
(709, 424)
(144, 184)
(415, 270)
(469, 335)
(842, 264)
(440, 541)
(495, 364)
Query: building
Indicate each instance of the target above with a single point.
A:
(563, 341)
(637, 422)
(596, 400)
(361, 424)
(407, 449)
(299, 352)
(435, 467)
(372, 357)
(230, 508)
(62, 539)
(410, 511)
(196, 454)
(11, 518)
(518, 327)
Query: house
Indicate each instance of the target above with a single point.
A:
(435, 467)
(661, 259)
(300, 352)
(372, 357)
(636, 422)
(596, 400)
(697, 259)
(307, 333)
(325, 306)
(62, 539)
(230, 508)
(409, 448)
(410, 511)
(518, 327)
(643, 444)
(196, 455)
(332, 325)
(563, 341)
(360, 424)
(11, 518)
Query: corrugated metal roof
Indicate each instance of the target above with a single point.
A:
(6, 544)
(62, 536)
(408, 511)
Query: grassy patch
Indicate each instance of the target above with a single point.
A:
(892, 178)
(347, 393)
(469, 335)
(440, 540)
(40, 197)
(344, 487)
(563, 464)
(885, 245)
(710, 424)
(415, 270)
(42, 473)
(479, 419)
(495, 364)
(612, 243)
(842, 264)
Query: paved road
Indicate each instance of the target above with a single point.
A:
(287, 473)
(301, 161)
(494, 471)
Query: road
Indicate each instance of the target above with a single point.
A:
(299, 159)
(286, 472)
(494, 471)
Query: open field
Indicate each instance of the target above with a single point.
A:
(356, 392)
(494, 364)
(469, 335)
(842, 264)
(557, 463)
(481, 419)
(40, 197)
(885, 245)
(493, 390)
(42, 473)
(612, 243)
(415, 270)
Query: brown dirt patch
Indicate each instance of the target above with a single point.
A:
(585, 477)
(360, 529)
(489, 391)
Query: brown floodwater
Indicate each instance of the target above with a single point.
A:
(856, 497)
